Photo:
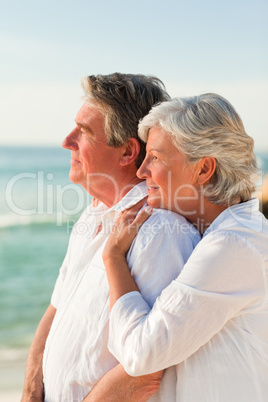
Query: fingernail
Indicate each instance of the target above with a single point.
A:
(149, 209)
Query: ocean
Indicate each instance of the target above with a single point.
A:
(38, 208)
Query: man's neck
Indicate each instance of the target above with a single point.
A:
(111, 198)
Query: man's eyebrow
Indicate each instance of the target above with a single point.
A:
(84, 126)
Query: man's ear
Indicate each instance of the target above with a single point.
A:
(207, 167)
(130, 152)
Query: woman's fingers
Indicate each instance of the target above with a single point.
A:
(132, 211)
(129, 224)
(125, 230)
(142, 217)
(131, 215)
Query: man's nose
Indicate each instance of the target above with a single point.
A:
(70, 142)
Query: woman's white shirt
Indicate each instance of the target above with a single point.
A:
(211, 322)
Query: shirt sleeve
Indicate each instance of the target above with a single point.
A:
(222, 279)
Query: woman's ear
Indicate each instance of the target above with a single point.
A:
(207, 167)
(130, 152)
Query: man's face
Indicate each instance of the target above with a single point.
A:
(94, 164)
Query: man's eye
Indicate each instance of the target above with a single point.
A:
(154, 158)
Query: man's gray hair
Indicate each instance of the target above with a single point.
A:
(208, 125)
(123, 99)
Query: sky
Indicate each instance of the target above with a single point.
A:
(192, 46)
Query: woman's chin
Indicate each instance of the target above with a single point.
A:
(159, 204)
(154, 203)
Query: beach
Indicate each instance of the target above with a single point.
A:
(12, 396)
(12, 378)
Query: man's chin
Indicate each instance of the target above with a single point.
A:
(74, 178)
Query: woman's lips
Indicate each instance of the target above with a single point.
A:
(152, 188)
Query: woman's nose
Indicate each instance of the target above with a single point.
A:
(143, 172)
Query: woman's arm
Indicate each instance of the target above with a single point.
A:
(190, 311)
(114, 254)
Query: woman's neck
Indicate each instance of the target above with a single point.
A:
(206, 215)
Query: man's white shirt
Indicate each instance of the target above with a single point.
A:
(76, 354)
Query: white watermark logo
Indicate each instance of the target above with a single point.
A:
(43, 196)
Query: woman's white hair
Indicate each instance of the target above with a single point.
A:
(208, 125)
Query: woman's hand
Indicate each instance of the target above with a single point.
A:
(117, 245)
(125, 230)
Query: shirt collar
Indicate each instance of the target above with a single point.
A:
(136, 194)
(244, 214)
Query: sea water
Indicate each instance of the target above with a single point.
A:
(38, 207)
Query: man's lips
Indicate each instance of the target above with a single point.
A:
(75, 161)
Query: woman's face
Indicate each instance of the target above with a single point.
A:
(171, 180)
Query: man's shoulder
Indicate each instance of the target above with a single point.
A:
(169, 224)
(164, 215)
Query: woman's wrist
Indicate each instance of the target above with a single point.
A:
(114, 260)
(119, 277)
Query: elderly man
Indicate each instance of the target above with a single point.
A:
(69, 354)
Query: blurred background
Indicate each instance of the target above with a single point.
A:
(46, 47)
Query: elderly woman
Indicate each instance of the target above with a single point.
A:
(212, 321)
